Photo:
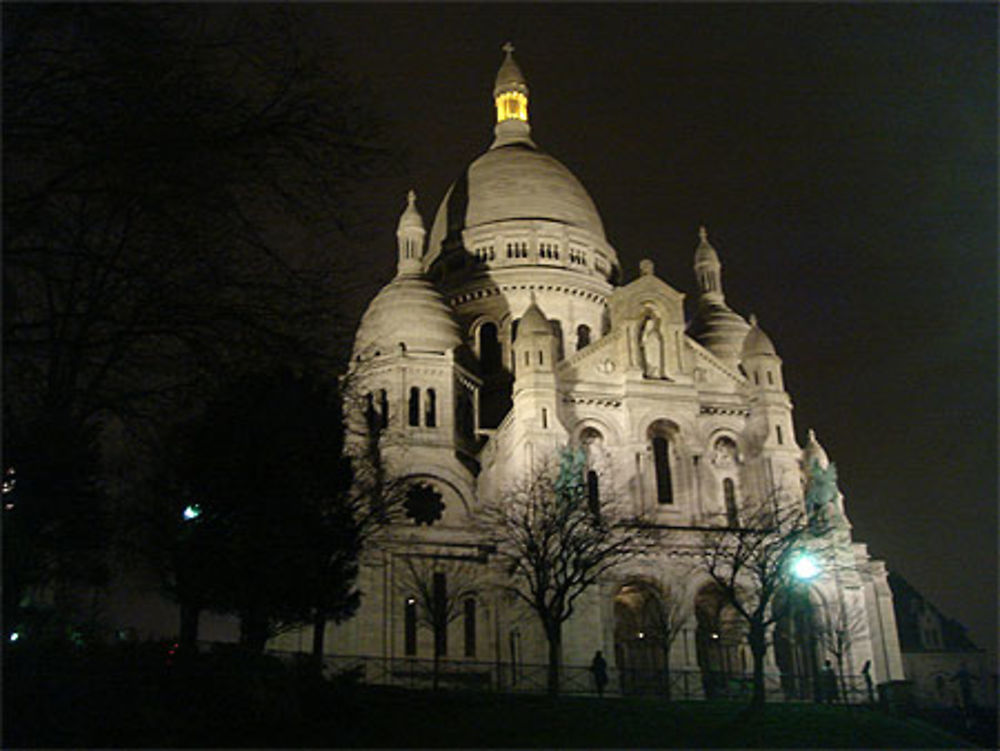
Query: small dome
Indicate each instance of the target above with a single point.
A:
(534, 321)
(814, 452)
(757, 342)
(408, 310)
(719, 330)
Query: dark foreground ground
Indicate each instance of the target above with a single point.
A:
(136, 700)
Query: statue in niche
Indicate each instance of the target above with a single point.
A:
(724, 452)
(651, 344)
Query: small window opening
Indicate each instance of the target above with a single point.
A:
(470, 627)
(414, 406)
(593, 494)
(661, 462)
(430, 414)
(410, 626)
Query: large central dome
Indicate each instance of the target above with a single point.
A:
(513, 182)
(515, 205)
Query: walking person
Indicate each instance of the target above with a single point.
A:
(828, 684)
(866, 671)
(599, 667)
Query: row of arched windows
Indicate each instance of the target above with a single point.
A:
(429, 407)
(660, 450)
(441, 633)
(490, 351)
(377, 408)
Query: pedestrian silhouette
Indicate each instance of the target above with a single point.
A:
(599, 667)
(828, 684)
(866, 671)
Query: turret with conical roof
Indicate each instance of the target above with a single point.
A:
(715, 326)
(535, 382)
(760, 360)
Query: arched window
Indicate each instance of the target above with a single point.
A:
(541, 358)
(582, 336)
(383, 403)
(661, 462)
(469, 616)
(778, 435)
(729, 495)
(770, 378)
(430, 413)
(439, 601)
(414, 406)
(593, 494)
(489, 348)
(410, 626)
(558, 333)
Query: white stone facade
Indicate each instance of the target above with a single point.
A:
(509, 335)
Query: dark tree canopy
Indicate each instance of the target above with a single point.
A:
(275, 539)
(156, 159)
(161, 162)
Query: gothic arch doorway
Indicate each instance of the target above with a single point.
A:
(638, 650)
(719, 640)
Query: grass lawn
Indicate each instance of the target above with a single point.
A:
(399, 719)
(217, 701)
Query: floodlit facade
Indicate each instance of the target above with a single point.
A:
(509, 332)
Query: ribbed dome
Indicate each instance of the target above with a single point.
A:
(757, 342)
(721, 331)
(409, 310)
(516, 181)
(814, 452)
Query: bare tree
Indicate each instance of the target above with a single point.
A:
(555, 540)
(667, 612)
(837, 630)
(440, 585)
(753, 564)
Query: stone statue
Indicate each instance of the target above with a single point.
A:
(822, 495)
(651, 342)
(572, 462)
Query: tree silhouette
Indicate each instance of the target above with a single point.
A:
(553, 544)
(752, 565)
(440, 587)
(274, 539)
(158, 161)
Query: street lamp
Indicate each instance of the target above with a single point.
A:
(804, 567)
(192, 512)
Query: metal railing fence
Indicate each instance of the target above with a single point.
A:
(683, 684)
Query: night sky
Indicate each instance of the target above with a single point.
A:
(843, 158)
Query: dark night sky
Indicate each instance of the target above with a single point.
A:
(843, 158)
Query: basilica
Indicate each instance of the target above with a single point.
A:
(509, 332)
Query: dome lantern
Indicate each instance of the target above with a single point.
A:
(510, 95)
(715, 325)
(410, 237)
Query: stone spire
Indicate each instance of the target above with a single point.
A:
(510, 94)
(410, 237)
(708, 269)
(715, 326)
